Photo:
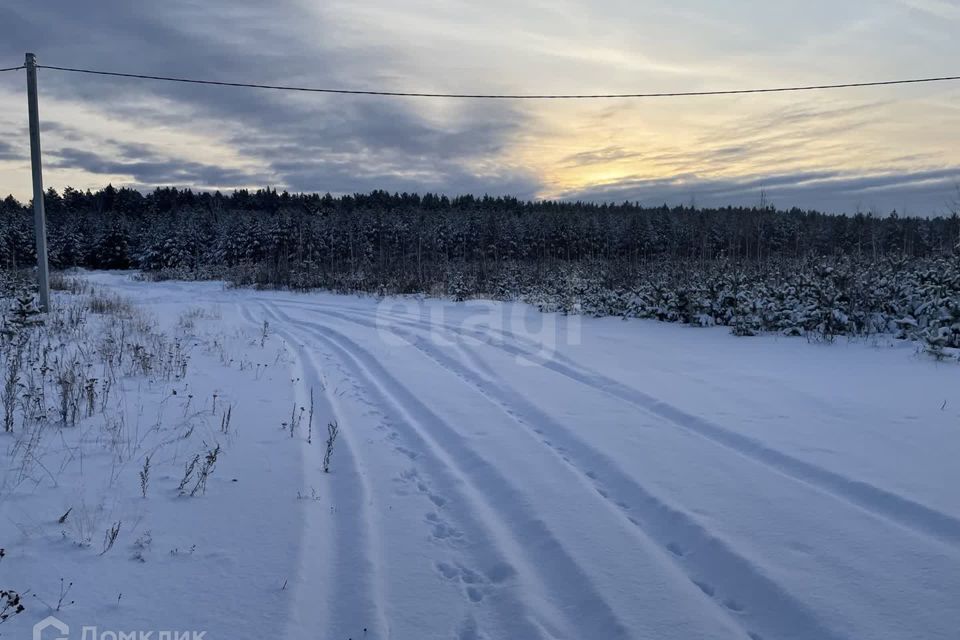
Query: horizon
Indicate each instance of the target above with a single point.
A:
(870, 149)
(952, 209)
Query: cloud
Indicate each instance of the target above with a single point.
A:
(147, 167)
(926, 191)
(611, 153)
(326, 143)
(198, 135)
(940, 9)
(10, 152)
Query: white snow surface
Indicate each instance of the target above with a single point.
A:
(511, 475)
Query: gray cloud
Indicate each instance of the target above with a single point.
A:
(345, 144)
(932, 191)
(328, 144)
(10, 152)
(146, 167)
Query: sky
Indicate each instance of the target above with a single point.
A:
(869, 149)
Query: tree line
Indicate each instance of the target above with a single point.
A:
(755, 269)
(414, 234)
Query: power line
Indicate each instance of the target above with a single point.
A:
(488, 96)
(11, 69)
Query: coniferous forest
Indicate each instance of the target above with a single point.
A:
(754, 269)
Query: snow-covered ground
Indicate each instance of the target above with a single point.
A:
(501, 474)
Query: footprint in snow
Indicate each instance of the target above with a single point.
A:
(440, 530)
(410, 454)
(474, 594)
(447, 571)
(733, 605)
(470, 576)
(408, 475)
(474, 583)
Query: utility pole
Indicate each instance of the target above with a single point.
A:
(39, 216)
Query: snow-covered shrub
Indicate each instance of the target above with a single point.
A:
(458, 288)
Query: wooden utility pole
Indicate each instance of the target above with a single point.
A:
(39, 216)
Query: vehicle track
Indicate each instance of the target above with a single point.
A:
(486, 499)
(891, 507)
(751, 600)
(356, 570)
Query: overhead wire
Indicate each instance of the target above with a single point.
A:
(507, 96)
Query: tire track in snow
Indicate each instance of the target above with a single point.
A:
(477, 584)
(733, 583)
(891, 507)
(354, 603)
(587, 614)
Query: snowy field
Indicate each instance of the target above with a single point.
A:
(498, 473)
